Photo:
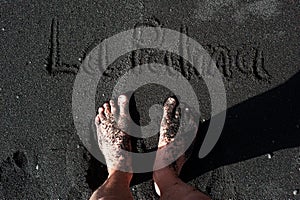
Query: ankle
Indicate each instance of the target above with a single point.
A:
(165, 177)
(117, 183)
(119, 177)
(167, 186)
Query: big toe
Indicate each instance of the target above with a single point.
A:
(169, 108)
(123, 104)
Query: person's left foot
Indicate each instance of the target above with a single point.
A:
(114, 142)
(168, 131)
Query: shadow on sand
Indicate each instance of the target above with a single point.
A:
(263, 124)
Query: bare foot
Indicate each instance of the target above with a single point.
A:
(166, 181)
(112, 123)
(114, 142)
(169, 129)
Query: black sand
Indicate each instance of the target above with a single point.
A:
(44, 42)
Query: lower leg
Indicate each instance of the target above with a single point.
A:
(115, 187)
(172, 187)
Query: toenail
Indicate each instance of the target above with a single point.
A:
(171, 100)
(97, 119)
(122, 98)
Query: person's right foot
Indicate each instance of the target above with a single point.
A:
(169, 126)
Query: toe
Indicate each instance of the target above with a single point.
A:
(177, 113)
(113, 107)
(97, 120)
(122, 102)
(106, 109)
(169, 108)
(101, 114)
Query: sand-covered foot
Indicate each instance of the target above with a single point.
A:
(170, 134)
(114, 142)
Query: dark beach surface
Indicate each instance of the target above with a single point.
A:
(255, 45)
